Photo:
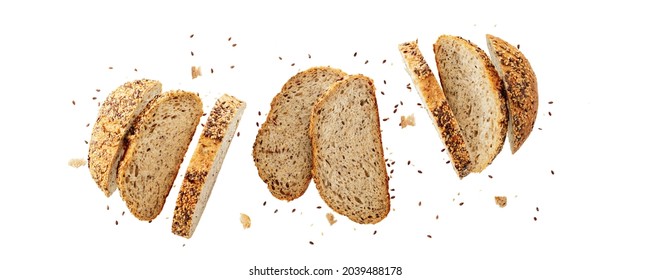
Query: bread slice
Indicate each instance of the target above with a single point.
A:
(438, 107)
(282, 149)
(349, 169)
(154, 150)
(115, 118)
(475, 95)
(205, 164)
(520, 85)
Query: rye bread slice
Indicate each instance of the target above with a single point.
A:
(475, 95)
(154, 151)
(282, 149)
(349, 169)
(204, 167)
(437, 106)
(520, 86)
(115, 118)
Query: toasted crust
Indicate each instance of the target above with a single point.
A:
(520, 86)
(485, 143)
(438, 107)
(115, 118)
(362, 198)
(282, 149)
(205, 164)
(149, 167)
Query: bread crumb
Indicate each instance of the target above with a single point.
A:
(77, 162)
(501, 201)
(245, 220)
(196, 71)
(407, 120)
(330, 218)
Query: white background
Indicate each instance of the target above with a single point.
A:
(590, 60)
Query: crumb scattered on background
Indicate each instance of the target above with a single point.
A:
(196, 71)
(502, 201)
(245, 220)
(330, 218)
(407, 120)
(77, 162)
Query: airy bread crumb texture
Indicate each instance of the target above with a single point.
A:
(475, 94)
(282, 148)
(349, 169)
(155, 148)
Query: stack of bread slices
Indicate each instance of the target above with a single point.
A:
(140, 138)
(325, 124)
(480, 100)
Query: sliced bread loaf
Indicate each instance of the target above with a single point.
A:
(282, 149)
(115, 118)
(475, 95)
(154, 150)
(520, 86)
(205, 164)
(349, 169)
(438, 107)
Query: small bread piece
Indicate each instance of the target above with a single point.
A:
(203, 169)
(520, 85)
(154, 151)
(115, 118)
(245, 220)
(349, 169)
(438, 107)
(475, 95)
(282, 149)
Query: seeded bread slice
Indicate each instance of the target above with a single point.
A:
(475, 95)
(154, 150)
(205, 164)
(115, 118)
(282, 149)
(438, 107)
(349, 169)
(520, 85)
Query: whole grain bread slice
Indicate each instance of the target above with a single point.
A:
(154, 151)
(115, 118)
(282, 149)
(203, 169)
(438, 107)
(475, 95)
(349, 169)
(520, 85)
